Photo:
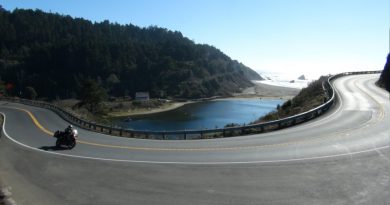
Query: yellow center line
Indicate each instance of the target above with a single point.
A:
(339, 134)
(381, 108)
(36, 122)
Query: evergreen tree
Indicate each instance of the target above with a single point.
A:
(92, 96)
(30, 93)
(53, 53)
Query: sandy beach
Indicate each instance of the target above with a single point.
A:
(268, 91)
(259, 90)
(167, 107)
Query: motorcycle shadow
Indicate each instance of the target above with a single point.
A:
(52, 148)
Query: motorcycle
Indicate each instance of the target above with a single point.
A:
(65, 139)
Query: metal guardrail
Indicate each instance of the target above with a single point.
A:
(199, 134)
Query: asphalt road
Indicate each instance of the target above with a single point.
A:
(341, 158)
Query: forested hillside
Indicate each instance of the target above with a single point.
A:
(54, 55)
(384, 80)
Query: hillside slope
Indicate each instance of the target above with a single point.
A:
(54, 54)
(384, 80)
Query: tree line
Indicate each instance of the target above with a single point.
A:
(55, 56)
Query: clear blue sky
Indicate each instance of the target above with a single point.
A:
(292, 36)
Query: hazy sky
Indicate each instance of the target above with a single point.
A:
(292, 36)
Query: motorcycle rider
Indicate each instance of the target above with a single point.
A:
(69, 131)
(67, 137)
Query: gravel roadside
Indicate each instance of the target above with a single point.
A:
(6, 195)
(5, 191)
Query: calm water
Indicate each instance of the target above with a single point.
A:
(203, 115)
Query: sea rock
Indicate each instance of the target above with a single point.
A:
(302, 77)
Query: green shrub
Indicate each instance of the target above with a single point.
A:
(308, 98)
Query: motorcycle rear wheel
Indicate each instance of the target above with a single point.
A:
(58, 143)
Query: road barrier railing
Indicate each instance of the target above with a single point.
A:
(198, 134)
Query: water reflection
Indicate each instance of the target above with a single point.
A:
(203, 115)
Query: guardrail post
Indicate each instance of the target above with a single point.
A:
(185, 135)
(261, 129)
(293, 122)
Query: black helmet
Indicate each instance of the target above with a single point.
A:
(70, 127)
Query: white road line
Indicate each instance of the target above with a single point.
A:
(376, 149)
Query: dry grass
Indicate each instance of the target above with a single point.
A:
(111, 108)
(307, 99)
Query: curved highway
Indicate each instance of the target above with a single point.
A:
(340, 158)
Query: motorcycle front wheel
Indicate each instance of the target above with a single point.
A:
(72, 144)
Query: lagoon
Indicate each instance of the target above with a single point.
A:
(203, 115)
